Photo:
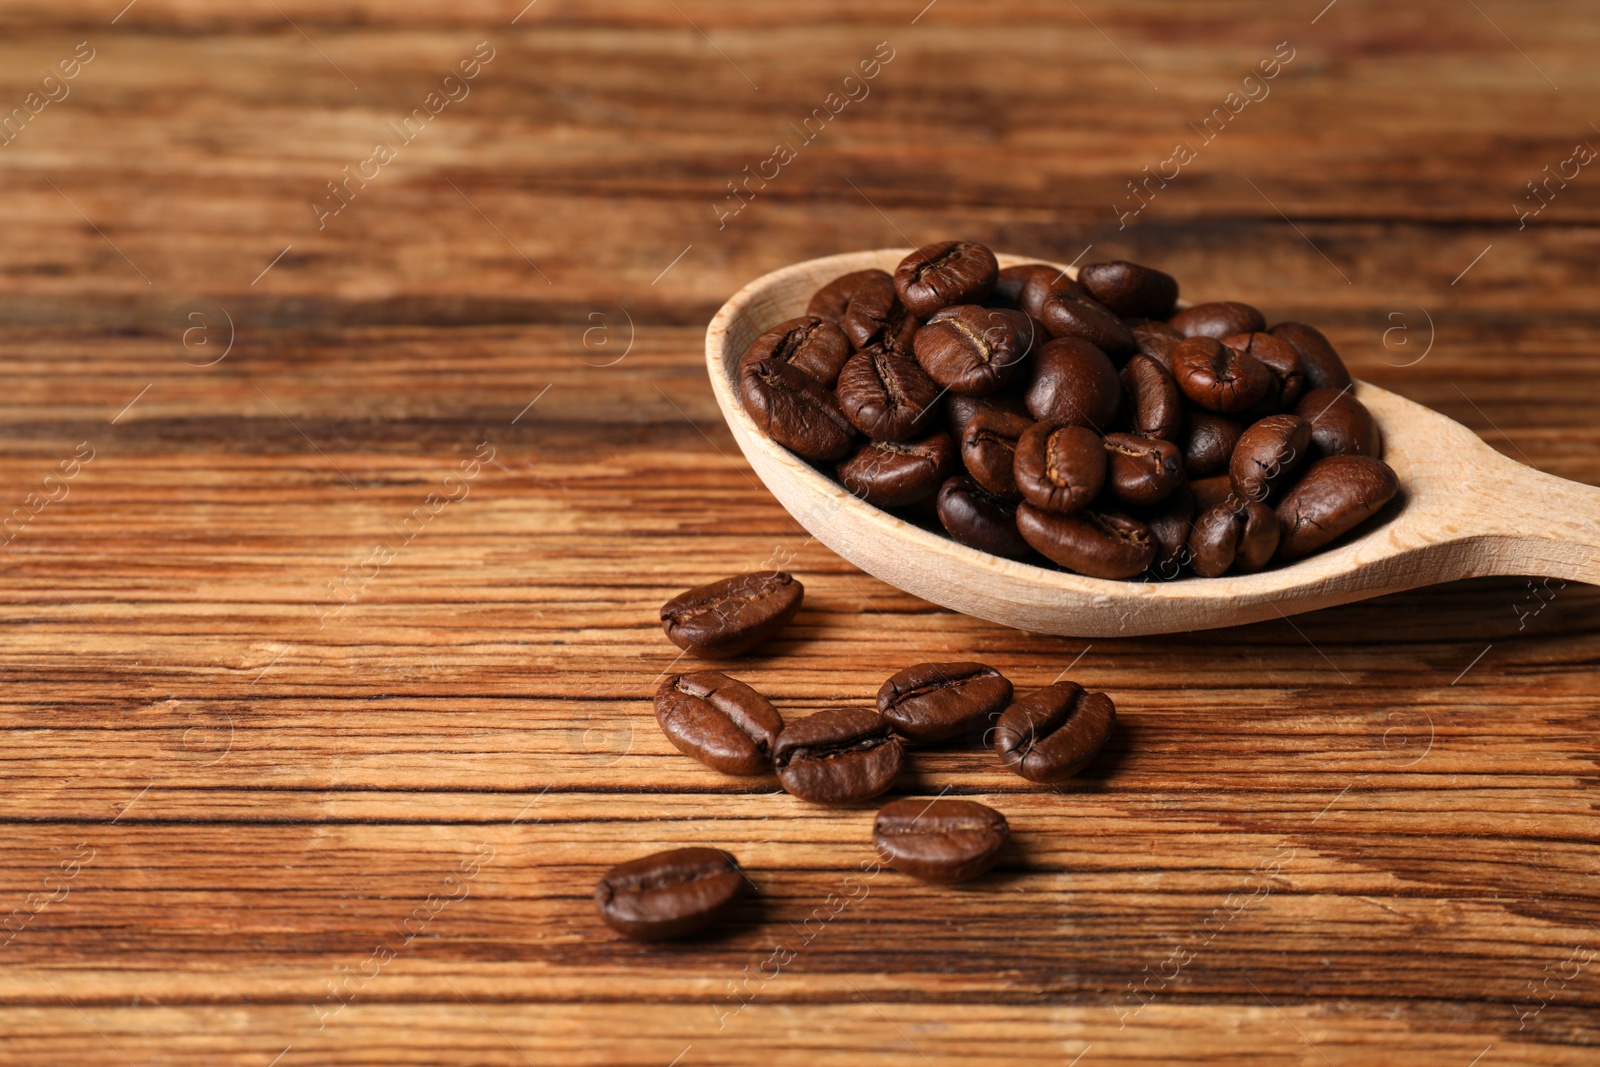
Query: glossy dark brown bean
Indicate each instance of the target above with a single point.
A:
(1052, 733)
(875, 315)
(1209, 492)
(1217, 320)
(1155, 339)
(973, 350)
(949, 272)
(1236, 535)
(937, 701)
(1341, 425)
(670, 894)
(1154, 403)
(833, 300)
(1279, 358)
(1130, 290)
(733, 615)
(960, 410)
(1038, 287)
(886, 395)
(1094, 543)
(1333, 497)
(1141, 470)
(838, 756)
(795, 410)
(989, 451)
(1218, 378)
(1011, 281)
(1074, 382)
(943, 841)
(893, 474)
(1083, 317)
(1059, 468)
(1321, 365)
(1268, 454)
(1170, 523)
(719, 721)
(1207, 443)
(980, 520)
(813, 345)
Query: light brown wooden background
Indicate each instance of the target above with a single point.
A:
(1365, 836)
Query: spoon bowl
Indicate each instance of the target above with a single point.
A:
(1463, 511)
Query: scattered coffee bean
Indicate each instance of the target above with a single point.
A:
(980, 520)
(1218, 378)
(832, 301)
(973, 350)
(944, 841)
(1321, 365)
(1268, 454)
(892, 474)
(1094, 543)
(719, 721)
(838, 756)
(810, 344)
(1129, 290)
(1279, 358)
(1073, 382)
(875, 315)
(1332, 497)
(989, 451)
(1052, 733)
(1141, 470)
(938, 701)
(950, 272)
(1235, 535)
(1217, 320)
(670, 894)
(1155, 406)
(1059, 468)
(1208, 442)
(886, 395)
(1083, 317)
(1341, 425)
(732, 616)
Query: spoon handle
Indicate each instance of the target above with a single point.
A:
(1535, 523)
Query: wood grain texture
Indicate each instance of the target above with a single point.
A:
(1364, 836)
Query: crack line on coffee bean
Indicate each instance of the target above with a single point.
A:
(1299, 231)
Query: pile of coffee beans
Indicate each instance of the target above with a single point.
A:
(1087, 421)
(838, 756)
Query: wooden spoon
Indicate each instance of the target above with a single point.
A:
(1464, 511)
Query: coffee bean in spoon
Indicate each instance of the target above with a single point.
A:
(973, 350)
(808, 343)
(1141, 470)
(838, 756)
(1131, 290)
(1237, 535)
(1010, 282)
(1268, 454)
(1153, 401)
(670, 894)
(945, 273)
(1319, 362)
(1341, 425)
(1207, 442)
(937, 701)
(1333, 497)
(989, 450)
(1051, 734)
(1155, 339)
(1067, 315)
(1279, 358)
(1218, 319)
(832, 301)
(980, 520)
(886, 395)
(732, 616)
(894, 474)
(1218, 378)
(718, 720)
(795, 410)
(875, 316)
(1072, 381)
(1059, 468)
(942, 841)
(1098, 544)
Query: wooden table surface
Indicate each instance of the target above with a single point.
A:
(336, 538)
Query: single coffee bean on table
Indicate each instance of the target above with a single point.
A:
(719, 720)
(943, 841)
(1052, 733)
(733, 615)
(670, 894)
(937, 701)
(838, 756)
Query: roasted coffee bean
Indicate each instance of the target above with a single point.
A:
(1141, 470)
(732, 616)
(838, 756)
(1237, 535)
(1011, 281)
(1098, 544)
(1333, 497)
(989, 451)
(973, 350)
(1208, 441)
(811, 344)
(1074, 382)
(1130, 290)
(1341, 425)
(1083, 317)
(893, 474)
(949, 272)
(1280, 358)
(1155, 339)
(795, 410)
(1059, 468)
(669, 894)
(833, 300)
(944, 841)
(1052, 733)
(719, 721)
(981, 520)
(1209, 492)
(938, 701)
(886, 396)
(1321, 365)
(1218, 378)
(876, 316)
(1217, 320)
(960, 410)
(1170, 523)
(1268, 454)
(1151, 395)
